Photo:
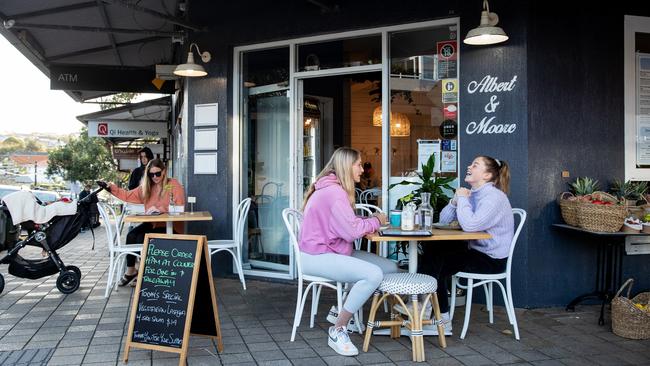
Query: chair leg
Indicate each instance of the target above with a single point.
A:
(489, 301)
(417, 341)
(513, 317)
(314, 304)
(371, 321)
(109, 281)
(452, 303)
(298, 313)
(436, 313)
(468, 306)
(240, 270)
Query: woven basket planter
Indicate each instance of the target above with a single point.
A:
(601, 218)
(628, 321)
(568, 208)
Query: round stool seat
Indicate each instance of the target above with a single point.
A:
(408, 284)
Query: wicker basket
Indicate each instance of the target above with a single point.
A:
(568, 208)
(601, 218)
(628, 321)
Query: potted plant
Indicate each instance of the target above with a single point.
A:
(430, 182)
(630, 191)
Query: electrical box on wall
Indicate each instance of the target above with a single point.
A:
(637, 245)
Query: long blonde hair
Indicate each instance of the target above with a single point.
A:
(340, 164)
(147, 184)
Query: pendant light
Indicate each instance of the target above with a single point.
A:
(400, 125)
(487, 32)
(190, 68)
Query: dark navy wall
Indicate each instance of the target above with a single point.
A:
(493, 122)
(575, 107)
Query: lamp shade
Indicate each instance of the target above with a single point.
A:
(376, 117)
(190, 68)
(487, 32)
(400, 126)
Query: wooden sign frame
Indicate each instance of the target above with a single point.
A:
(201, 279)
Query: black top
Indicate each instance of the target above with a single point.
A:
(136, 176)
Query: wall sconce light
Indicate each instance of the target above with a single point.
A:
(191, 69)
(487, 32)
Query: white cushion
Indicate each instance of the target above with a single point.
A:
(408, 284)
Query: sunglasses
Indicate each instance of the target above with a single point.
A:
(156, 174)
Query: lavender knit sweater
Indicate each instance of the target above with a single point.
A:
(487, 209)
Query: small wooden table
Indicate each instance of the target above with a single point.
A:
(437, 235)
(169, 219)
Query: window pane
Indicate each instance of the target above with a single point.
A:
(265, 157)
(423, 119)
(340, 53)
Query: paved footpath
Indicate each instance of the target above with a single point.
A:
(41, 326)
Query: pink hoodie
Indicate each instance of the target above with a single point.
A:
(329, 224)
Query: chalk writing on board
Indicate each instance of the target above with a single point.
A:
(161, 310)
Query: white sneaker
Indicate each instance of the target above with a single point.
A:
(352, 327)
(340, 342)
(427, 310)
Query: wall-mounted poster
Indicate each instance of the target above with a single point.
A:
(643, 110)
(205, 163)
(450, 91)
(206, 114)
(448, 162)
(426, 148)
(205, 139)
(447, 59)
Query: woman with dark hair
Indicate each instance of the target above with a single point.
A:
(145, 155)
(484, 207)
(155, 191)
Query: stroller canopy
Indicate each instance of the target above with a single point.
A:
(22, 206)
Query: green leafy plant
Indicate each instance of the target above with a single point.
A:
(430, 182)
(629, 190)
(584, 186)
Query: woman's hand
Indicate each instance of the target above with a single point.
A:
(106, 186)
(463, 192)
(383, 219)
(152, 210)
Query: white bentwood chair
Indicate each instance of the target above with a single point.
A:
(367, 210)
(369, 194)
(486, 280)
(293, 221)
(117, 251)
(234, 246)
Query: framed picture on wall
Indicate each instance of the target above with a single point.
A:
(205, 163)
(206, 114)
(205, 139)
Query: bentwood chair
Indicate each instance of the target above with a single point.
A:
(486, 280)
(117, 251)
(293, 221)
(367, 210)
(234, 246)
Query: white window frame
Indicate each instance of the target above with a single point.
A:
(633, 24)
(294, 75)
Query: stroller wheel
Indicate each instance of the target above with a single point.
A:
(74, 269)
(2, 283)
(67, 282)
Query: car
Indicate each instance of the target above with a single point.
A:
(46, 196)
(5, 190)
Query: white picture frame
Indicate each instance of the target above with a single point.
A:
(205, 163)
(206, 114)
(206, 139)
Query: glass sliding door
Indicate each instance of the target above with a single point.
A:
(265, 157)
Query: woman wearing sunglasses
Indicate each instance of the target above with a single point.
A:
(154, 191)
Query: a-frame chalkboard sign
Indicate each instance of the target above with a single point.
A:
(175, 296)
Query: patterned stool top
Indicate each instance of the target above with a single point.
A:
(408, 284)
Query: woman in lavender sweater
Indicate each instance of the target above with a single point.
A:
(328, 229)
(484, 207)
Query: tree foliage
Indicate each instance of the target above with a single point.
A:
(34, 145)
(11, 144)
(119, 98)
(83, 159)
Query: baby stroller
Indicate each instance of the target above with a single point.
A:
(50, 235)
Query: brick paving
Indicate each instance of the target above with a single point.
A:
(41, 326)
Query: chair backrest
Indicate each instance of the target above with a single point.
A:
(293, 221)
(357, 194)
(369, 194)
(522, 219)
(111, 225)
(365, 210)
(242, 214)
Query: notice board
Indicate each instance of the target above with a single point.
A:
(175, 296)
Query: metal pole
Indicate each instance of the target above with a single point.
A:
(35, 171)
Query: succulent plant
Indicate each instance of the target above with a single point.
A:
(629, 190)
(584, 186)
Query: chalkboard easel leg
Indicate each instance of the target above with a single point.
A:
(183, 360)
(126, 352)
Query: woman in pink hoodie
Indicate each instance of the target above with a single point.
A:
(329, 227)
